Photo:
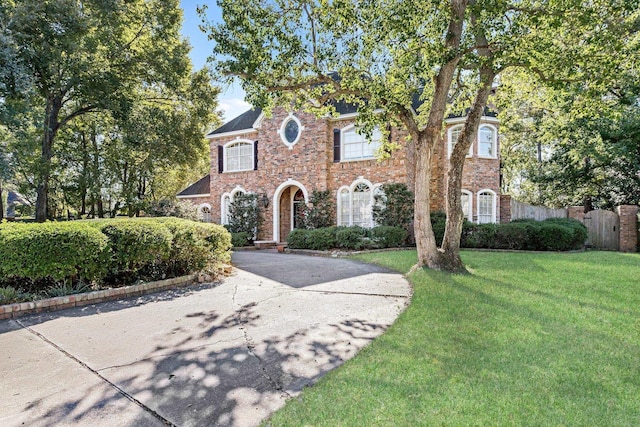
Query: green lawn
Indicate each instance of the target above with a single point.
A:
(527, 339)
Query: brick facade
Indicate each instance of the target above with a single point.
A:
(628, 228)
(309, 165)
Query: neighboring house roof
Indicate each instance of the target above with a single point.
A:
(14, 198)
(242, 122)
(197, 189)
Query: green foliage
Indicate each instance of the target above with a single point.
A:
(59, 257)
(240, 239)
(137, 244)
(67, 288)
(386, 236)
(244, 214)
(53, 250)
(354, 237)
(9, 295)
(298, 238)
(394, 207)
(172, 207)
(321, 239)
(321, 213)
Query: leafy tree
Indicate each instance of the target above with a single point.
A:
(244, 214)
(380, 55)
(320, 213)
(89, 56)
(394, 207)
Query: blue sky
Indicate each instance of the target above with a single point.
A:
(231, 100)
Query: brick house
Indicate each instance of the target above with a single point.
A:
(284, 158)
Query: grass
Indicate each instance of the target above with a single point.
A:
(526, 339)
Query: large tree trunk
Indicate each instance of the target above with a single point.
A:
(51, 126)
(428, 255)
(450, 251)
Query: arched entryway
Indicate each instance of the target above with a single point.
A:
(288, 199)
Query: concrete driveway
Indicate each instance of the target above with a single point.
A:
(227, 353)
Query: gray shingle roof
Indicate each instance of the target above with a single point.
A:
(200, 187)
(242, 122)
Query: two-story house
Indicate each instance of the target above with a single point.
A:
(284, 157)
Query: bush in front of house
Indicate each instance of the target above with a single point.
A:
(320, 213)
(244, 214)
(240, 239)
(393, 206)
(554, 234)
(55, 251)
(354, 237)
(385, 236)
(54, 258)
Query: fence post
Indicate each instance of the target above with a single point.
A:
(505, 208)
(628, 227)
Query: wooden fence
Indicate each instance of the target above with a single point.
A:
(521, 210)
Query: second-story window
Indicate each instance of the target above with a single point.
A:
(487, 142)
(356, 146)
(239, 156)
(454, 134)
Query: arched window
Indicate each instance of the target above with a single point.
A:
(486, 207)
(238, 156)
(225, 203)
(467, 205)
(487, 142)
(205, 212)
(454, 134)
(356, 146)
(355, 204)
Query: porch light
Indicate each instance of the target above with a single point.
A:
(264, 200)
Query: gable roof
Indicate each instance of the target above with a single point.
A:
(198, 188)
(246, 120)
(242, 122)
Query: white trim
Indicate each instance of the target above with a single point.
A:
(258, 123)
(483, 119)
(201, 207)
(238, 140)
(192, 196)
(469, 215)
(495, 204)
(352, 127)
(231, 133)
(281, 131)
(276, 203)
(495, 140)
(350, 188)
(223, 212)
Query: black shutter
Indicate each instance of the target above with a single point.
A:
(220, 158)
(336, 145)
(255, 155)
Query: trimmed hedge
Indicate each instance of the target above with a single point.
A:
(53, 250)
(114, 251)
(355, 238)
(240, 239)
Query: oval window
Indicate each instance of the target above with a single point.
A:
(291, 131)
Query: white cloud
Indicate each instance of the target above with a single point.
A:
(232, 107)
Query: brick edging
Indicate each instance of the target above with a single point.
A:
(11, 311)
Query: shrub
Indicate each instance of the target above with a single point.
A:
(321, 211)
(244, 214)
(240, 239)
(53, 251)
(354, 237)
(394, 207)
(298, 239)
(137, 243)
(321, 239)
(385, 236)
(579, 232)
(172, 208)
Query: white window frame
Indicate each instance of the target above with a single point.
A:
(229, 145)
(283, 126)
(450, 143)
(494, 141)
(469, 214)
(201, 213)
(493, 206)
(353, 129)
(224, 208)
(349, 190)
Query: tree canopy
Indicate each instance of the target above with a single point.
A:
(380, 55)
(120, 66)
